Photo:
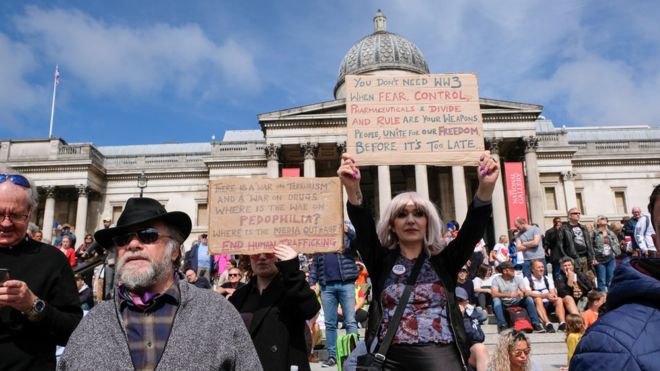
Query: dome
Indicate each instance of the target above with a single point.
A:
(381, 50)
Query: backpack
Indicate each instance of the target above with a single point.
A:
(345, 345)
(520, 319)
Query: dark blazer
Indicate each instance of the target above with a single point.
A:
(278, 325)
(564, 290)
(379, 261)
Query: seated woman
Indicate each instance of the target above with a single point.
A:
(571, 285)
(482, 283)
(431, 330)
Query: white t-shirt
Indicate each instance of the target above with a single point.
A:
(501, 253)
(539, 284)
(486, 282)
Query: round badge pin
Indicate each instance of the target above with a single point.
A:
(399, 269)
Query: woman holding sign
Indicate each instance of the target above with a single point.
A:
(430, 331)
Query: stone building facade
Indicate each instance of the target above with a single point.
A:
(602, 170)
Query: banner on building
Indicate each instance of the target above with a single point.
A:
(253, 215)
(515, 191)
(414, 119)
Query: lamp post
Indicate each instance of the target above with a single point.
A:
(142, 182)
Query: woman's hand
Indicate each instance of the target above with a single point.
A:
(488, 172)
(284, 252)
(349, 174)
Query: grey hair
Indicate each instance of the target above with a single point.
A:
(434, 242)
(33, 194)
(175, 242)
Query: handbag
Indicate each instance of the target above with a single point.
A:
(375, 361)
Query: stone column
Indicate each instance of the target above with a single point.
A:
(81, 213)
(273, 166)
(422, 180)
(384, 188)
(536, 204)
(309, 150)
(499, 202)
(569, 189)
(49, 214)
(460, 197)
(446, 208)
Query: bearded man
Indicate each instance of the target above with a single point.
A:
(157, 319)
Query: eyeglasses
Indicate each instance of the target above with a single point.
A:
(234, 275)
(19, 180)
(147, 235)
(519, 352)
(15, 218)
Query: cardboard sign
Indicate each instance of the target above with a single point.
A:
(253, 215)
(414, 119)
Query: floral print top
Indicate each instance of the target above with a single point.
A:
(424, 319)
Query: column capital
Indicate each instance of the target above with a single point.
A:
(494, 145)
(309, 150)
(341, 148)
(83, 190)
(49, 191)
(531, 144)
(567, 175)
(272, 151)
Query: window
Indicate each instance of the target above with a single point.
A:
(550, 198)
(116, 211)
(620, 201)
(579, 202)
(202, 215)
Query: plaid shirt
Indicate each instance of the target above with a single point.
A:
(148, 329)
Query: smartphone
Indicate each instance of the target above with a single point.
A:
(4, 275)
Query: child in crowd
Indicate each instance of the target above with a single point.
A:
(574, 331)
(596, 300)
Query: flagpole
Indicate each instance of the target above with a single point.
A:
(52, 107)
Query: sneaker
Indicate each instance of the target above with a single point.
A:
(562, 326)
(330, 362)
(549, 328)
(500, 328)
(538, 328)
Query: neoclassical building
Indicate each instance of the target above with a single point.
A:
(601, 170)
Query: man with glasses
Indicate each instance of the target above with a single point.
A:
(234, 283)
(39, 305)
(576, 243)
(155, 314)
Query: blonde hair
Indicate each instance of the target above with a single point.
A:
(507, 341)
(433, 241)
(574, 324)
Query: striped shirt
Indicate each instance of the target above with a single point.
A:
(147, 329)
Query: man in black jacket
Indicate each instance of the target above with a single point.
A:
(575, 242)
(39, 305)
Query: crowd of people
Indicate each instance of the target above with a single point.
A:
(420, 288)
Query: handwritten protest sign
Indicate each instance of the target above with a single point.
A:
(414, 119)
(253, 215)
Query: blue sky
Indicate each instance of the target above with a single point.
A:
(156, 71)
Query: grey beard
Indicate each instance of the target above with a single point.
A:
(136, 280)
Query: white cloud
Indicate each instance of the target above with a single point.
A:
(111, 59)
(16, 95)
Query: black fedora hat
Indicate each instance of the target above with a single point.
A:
(141, 211)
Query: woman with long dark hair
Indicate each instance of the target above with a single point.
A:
(430, 332)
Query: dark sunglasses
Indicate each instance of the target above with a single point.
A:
(234, 275)
(147, 235)
(19, 180)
